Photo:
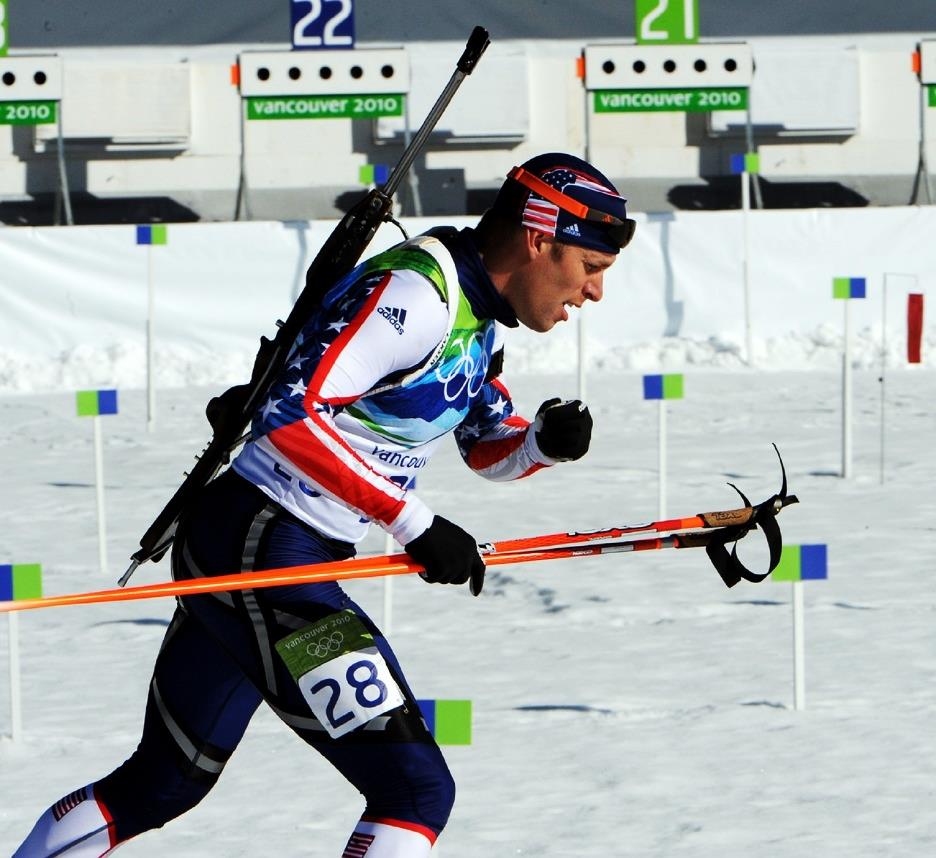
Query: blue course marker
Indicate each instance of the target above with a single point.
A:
(93, 403)
(663, 386)
(802, 563)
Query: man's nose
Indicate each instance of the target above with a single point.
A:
(594, 287)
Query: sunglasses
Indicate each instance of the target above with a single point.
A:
(620, 231)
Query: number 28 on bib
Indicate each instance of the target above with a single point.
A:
(341, 674)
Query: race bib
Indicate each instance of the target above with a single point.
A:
(341, 674)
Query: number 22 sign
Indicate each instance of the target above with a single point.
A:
(320, 24)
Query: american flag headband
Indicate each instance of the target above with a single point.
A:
(620, 231)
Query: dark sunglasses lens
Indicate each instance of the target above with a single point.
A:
(621, 235)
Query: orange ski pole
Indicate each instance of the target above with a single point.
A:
(340, 570)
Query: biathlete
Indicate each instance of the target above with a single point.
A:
(404, 350)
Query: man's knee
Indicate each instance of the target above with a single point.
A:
(437, 797)
(171, 771)
(142, 799)
(422, 792)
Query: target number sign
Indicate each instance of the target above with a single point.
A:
(4, 29)
(667, 22)
(318, 24)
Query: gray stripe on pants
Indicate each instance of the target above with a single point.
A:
(194, 756)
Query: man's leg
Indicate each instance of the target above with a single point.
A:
(392, 760)
(78, 825)
(198, 707)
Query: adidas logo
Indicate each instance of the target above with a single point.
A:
(395, 316)
(572, 229)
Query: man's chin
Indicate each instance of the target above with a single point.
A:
(538, 325)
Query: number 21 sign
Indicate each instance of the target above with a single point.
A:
(318, 24)
(4, 32)
(667, 22)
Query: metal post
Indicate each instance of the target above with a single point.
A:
(240, 202)
(412, 178)
(749, 140)
(63, 175)
(916, 281)
(924, 161)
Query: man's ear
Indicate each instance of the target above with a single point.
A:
(536, 242)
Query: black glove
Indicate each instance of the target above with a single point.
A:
(448, 554)
(563, 429)
(227, 407)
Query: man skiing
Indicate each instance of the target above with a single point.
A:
(402, 351)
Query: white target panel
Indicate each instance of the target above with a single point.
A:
(928, 62)
(351, 72)
(668, 66)
(31, 78)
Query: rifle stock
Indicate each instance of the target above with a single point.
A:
(340, 253)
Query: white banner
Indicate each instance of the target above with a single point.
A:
(73, 300)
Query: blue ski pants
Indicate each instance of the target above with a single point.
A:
(218, 663)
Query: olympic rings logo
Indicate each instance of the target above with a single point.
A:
(324, 646)
(469, 368)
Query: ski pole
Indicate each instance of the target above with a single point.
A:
(711, 530)
(746, 516)
(344, 570)
(703, 520)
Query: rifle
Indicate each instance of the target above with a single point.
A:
(231, 413)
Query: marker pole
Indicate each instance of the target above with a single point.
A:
(661, 458)
(915, 281)
(746, 265)
(150, 312)
(846, 398)
(799, 649)
(883, 375)
(99, 493)
(661, 388)
(799, 563)
(16, 709)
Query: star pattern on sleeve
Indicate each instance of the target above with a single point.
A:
(286, 403)
(498, 407)
(270, 407)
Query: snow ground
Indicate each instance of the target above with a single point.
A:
(625, 706)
